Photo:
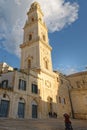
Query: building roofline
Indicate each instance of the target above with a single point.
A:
(77, 74)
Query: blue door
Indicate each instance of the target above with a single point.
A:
(34, 111)
(4, 108)
(21, 109)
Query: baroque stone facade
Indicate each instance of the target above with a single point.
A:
(78, 94)
(36, 91)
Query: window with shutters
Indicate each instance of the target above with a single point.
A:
(34, 88)
(63, 101)
(59, 99)
(22, 84)
(4, 84)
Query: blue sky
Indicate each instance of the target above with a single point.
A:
(66, 22)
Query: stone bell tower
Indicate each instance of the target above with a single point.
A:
(35, 49)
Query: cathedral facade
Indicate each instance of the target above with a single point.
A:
(35, 91)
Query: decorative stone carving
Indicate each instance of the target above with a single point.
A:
(47, 83)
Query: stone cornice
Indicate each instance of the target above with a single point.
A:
(38, 39)
(77, 74)
(36, 21)
(50, 73)
(32, 10)
(79, 89)
(47, 45)
(38, 71)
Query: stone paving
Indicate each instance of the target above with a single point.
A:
(37, 124)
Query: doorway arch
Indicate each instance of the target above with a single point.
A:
(50, 107)
(4, 105)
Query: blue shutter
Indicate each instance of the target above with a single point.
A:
(21, 109)
(34, 111)
(4, 108)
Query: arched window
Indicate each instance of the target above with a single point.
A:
(44, 38)
(64, 100)
(29, 63)
(22, 84)
(4, 105)
(34, 109)
(46, 64)
(30, 37)
(32, 19)
(34, 88)
(5, 83)
(59, 99)
(49, 99)
(21, 108)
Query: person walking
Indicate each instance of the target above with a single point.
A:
(68, 125)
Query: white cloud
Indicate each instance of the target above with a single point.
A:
(18, 2)
(71, 71)
(57, 14)
(13, 39)
(67, 69)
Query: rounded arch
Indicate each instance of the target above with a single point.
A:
(49, 99)
(4, 104)
(34, 107)
(32, 19)
(34, 102)
(49, 104)
(21, 107)
(21, 99)
(4, 96)
(46, 62)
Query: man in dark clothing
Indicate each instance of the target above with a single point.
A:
(68, 125)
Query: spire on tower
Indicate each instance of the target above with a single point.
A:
(34, 6)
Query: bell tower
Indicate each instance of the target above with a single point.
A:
(35, 49)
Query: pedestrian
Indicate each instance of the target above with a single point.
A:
(50, 114)
(54, 114)
(68, 125)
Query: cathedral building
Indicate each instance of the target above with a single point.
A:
(36, 91)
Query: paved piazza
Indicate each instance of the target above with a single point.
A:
(33, 124)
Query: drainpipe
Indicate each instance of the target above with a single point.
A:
(71, 101)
